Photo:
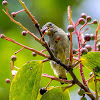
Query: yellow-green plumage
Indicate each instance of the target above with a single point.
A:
(59, 42)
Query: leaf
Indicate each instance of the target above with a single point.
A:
(92, 61)
(25, 85)
(57, 93)
(91, 84)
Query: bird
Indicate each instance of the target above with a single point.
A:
(58, 42)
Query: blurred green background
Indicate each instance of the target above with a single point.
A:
(44, 11)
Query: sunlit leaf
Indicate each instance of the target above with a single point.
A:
(25, 85)
(57, 93)
(91, 84)
(92, 61)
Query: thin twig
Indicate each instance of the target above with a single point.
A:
(84, 31)
(48, 84)
(19, 11)
(19, 50)
(76, 64)
(89, 78)
(81, 85)
(98, 27)
(39, 53)
(27, 11)
(81, 46)
(68, 86)
(95, 81)
(32, 17)
(71, 41)
(18, 23)
(82, 27)
(45, 60)
(57, 79)
(82, 74)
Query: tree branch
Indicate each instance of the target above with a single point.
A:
(81, 85)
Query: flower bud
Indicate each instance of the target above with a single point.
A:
(4, 3)
(2, 36)
(95, 21)
(92, 36)
(13, 14)
(87, 37)
(81, 92)
(13, 58)
(88, 47)
(88, 18)
(24, 33)
(7, 80)
(34, 54)
(70, 28)
(83, 51)
(83, 15)
(81, 21)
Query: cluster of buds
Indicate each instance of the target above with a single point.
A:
(82, 38)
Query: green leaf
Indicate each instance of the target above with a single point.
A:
(57, 93)
(92, 61)
(91, 84)
(25, 85)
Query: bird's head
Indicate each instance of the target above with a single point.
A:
(49, 28)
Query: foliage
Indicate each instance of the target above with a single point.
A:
(26, 82)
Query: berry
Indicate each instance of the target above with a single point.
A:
(70, 28)
(34, 54)
(4, 3)
(92, 36)
(88, 18)
(2, 36)
(81, 92)
(98, 45)
(83, 51)
(88, 47)
(81, 21)
(91, 73)
(7, 80)
(13, 58)
(42, 90)
(87, 37)
(13, 14)
(83, 15)
(95, 21)
(68, 36)
(83, 98)
(24, 33)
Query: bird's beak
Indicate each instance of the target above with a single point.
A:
(47, 31)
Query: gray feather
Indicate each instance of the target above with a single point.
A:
(59, 41)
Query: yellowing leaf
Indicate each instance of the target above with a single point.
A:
(92, 61)
(91, 84)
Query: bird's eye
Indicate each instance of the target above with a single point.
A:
(49, 25)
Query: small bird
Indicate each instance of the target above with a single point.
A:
(59, 44)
